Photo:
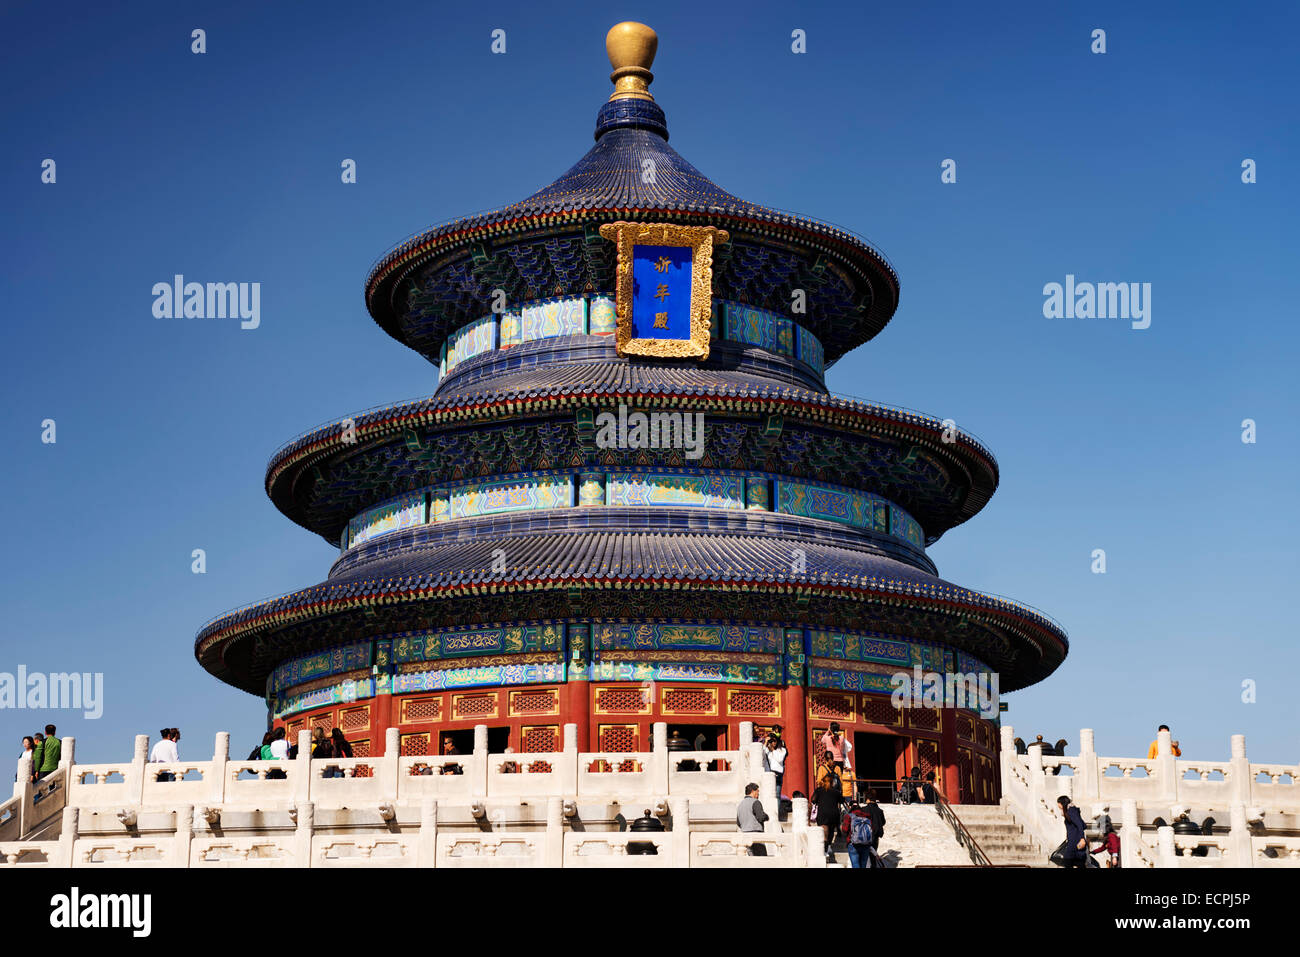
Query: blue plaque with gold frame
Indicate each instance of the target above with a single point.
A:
(663, 293)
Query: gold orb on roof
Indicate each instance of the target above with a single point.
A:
(631, 47)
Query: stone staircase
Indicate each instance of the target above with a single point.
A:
(1000, 837)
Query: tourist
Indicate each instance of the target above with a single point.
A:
(29, 751)
(1155, 745)
(909, 789)
(750, 817)
(336, 747)
(877, 814)
(510, 767)
(1110, 847)
(774, 754)
(259, 750)
(36, 754)
(322, 747)
(927, 793)
(858, 834)
(50, 753)
(277, 750)
(837, 744)
(342, 749)
(827, 797)
(449, 747)
(1074, 850)
(165, 752)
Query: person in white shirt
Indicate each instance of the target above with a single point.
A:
(166, 752)
(279, 746)
(774, 753)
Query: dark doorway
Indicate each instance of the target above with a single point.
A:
(875, 759)
(498, 739)
(701, 737)
(456, 742)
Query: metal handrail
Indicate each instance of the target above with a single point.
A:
(964, 837)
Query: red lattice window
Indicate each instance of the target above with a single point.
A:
(415, 744)
(292, 729)
(540, 740)
(831, 705)
(622, 700)
(323, 721)
(753, 702)
(965, 727)
(540, 767)
(876, 710)
(361, 749)
(355, 719)
(618, 737)
(966, 772)
(927, 756)
(533, 702)
(927, 719)
(475, 706)
(689, 701)
(415, 710)
(986, 778)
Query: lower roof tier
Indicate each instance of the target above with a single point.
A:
(599, 574)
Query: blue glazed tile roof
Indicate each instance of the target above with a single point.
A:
(652, 559)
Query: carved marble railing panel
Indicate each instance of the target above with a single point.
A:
(733, 849)
(101, 785)
(1281, 790)
(544, 774)
(723, 783)
(420, 778)
(506, 849)
(268, 851)
(266, 786)
(611, 773)
(29, 854)
(123, 852)
(178, 791)
(368, 850)
(609, 849)
(1275, 851)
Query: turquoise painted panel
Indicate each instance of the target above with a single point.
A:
(810, 349)
(700, 491)
(511, 495)
(760, 328)
(555, 317)
(393, 516)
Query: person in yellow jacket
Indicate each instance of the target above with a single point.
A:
(1155, 745)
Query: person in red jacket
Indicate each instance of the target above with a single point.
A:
(1110, 846)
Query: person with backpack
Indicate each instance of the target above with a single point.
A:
(877, 815)
(750, 818)
(859, 835)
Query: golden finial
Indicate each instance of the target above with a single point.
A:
(631, 47)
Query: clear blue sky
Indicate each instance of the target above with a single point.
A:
(225, 167)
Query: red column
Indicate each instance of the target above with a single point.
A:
(577, 709)
(794, 707)
(948, 756)
(381, 719)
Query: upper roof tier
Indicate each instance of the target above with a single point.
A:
(549, 244)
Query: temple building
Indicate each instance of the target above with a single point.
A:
(631, 498)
